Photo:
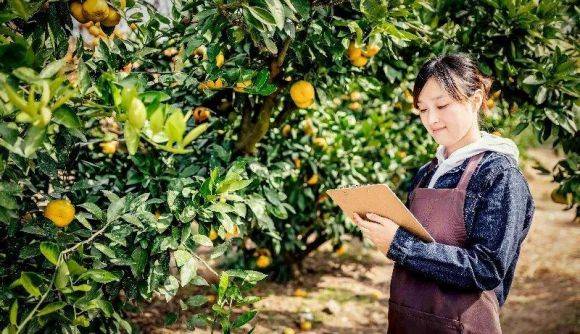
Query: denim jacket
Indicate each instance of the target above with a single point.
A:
(498, 213)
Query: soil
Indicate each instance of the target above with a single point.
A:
(349, 293)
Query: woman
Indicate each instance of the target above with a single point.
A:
(473, 200)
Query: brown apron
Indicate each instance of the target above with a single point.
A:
(420, 305)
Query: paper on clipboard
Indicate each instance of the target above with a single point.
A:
(381, 200)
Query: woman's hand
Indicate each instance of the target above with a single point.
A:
(378, 229)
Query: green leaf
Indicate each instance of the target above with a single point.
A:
(220, 249)
(115, 209)
(195, 133)
(302, 6)
(105, 250)
(188, 271)
(247, 275)
(27, 284)
(197, 320)
(244, 318)
(270, 45)
(202, 240)
(277, 11)
(103, 305)
(234, 186)
(93, 209)
(62, 276)
(261, 15)
(139, 257)
(14, 312)
(51, 251)
(175, 126)
(220, 207)
(197, 300)
(51, 69)
(181, 257)
(541, 95)
(99, 276)
(133, 220)
(132, 137)
(81, 321)
(374, 10)
(64, 115)
(223, 285)
(27, 75)
(533, 80)
(75, 268)
(392, 30)
(50, 308)
(33, 140)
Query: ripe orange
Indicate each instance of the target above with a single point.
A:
(60, 211)
(95, 10)
(302, 93)
(263, 261)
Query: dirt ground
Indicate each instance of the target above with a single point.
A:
(349, 293)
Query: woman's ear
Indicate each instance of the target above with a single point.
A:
(477, 100)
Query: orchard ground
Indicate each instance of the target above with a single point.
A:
(349, 293)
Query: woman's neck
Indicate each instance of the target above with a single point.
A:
(471, 136)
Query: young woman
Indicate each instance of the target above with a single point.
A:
(473, 200)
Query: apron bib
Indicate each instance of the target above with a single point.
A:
(420, 305)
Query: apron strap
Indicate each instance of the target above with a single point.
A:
(429, 168)
(469, 170)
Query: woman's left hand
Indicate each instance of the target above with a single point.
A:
(378, 229)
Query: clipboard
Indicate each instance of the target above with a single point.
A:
(381, 200)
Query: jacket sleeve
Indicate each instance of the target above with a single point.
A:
(493, 242)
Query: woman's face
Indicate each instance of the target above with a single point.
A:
(446, 120)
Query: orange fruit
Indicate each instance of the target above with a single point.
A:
(109, 147)
(263, 261)
(302, 93)
(360, 62)
(60, 211)
(313, 180)
(353, 52)
(112, 19)
(95, 10)
(371, 50)
(300, 293)
(76, 10)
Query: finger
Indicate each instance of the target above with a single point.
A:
(379, 219)
(363, 223)
(364, 229)
(358, 220)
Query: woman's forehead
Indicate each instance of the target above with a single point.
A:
(432, 91)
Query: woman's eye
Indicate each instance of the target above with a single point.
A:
(441, 107)
(422, 110)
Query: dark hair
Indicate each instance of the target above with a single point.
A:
(457, 73)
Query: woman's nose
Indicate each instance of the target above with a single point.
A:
(432, 117)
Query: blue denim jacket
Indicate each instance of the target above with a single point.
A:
(498, 213)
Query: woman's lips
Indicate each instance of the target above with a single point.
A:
(438, 130)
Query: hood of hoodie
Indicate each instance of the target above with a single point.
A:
(487, 142)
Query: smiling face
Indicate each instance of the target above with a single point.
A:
(451, 123)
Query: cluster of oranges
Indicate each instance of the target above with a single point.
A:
(95, 14)
(359, 56)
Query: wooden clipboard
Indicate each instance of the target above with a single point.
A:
(378, 199)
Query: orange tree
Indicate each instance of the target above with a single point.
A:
(363, 129)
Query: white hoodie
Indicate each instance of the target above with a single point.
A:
(487, 142)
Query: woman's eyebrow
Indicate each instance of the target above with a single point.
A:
(435, 98)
